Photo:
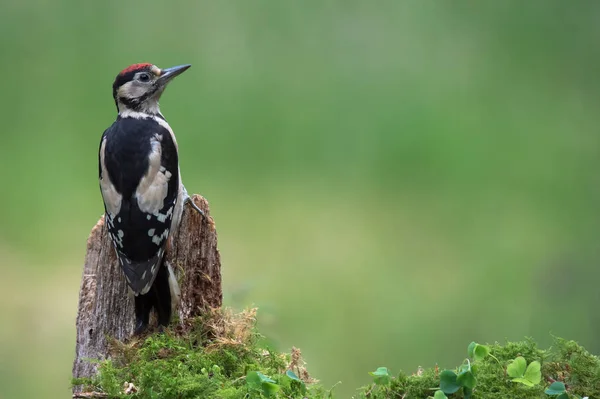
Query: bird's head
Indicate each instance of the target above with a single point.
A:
(139, 86)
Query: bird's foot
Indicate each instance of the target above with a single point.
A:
(188, 200)
(140, 327)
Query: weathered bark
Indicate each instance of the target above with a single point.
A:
(106, 303)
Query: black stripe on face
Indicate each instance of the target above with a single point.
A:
(131, 103)
(135, 103)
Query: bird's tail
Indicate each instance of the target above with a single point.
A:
(163, 297)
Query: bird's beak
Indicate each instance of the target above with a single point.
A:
(168, 74)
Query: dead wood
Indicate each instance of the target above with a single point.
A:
(106, 303)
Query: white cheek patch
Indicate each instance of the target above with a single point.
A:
(131, 90)
(154, 186)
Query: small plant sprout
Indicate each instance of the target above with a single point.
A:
(450, 382)
(478, 352)
(559, 390)
(381, 376)
(295, 381)
(381, 380)
(521, 373)
(260, 382)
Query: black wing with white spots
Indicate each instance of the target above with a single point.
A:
(139, 180)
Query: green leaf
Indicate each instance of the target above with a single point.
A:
(556, 388)
(533, 372)
(516, 368)
(480, 352)
(563, 396)
(523, 381)
(439, 395)
(258, 380)
(253, 380)
(471, 349)
(270, 388)
(530, 375)
(292, 375)
(467, 393)
(466, 379)
(477, 351)
(296, 381)
(381, 371)
(381, 376)
(448, 382)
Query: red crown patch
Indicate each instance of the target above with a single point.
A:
(134, 67)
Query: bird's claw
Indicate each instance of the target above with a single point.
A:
(193, 205)
(208, 219)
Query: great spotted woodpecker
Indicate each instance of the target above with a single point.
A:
(141, 187)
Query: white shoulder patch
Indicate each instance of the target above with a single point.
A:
(164, 124)
(153, 188)
(112, 198)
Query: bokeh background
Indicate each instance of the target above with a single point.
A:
(390, 180)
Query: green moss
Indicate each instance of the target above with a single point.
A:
(211, 358)
(576, 367)
(492, 381)
(565, 361)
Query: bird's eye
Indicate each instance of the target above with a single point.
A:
(144, 77)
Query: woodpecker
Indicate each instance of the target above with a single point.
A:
(142, 190)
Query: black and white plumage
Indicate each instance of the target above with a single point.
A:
(141, 188)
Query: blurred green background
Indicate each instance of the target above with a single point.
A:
(390, 179)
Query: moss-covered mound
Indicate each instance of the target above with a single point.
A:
(223, 356)
(513, 370)
(219, 356)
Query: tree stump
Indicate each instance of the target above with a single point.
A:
(106, 304)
